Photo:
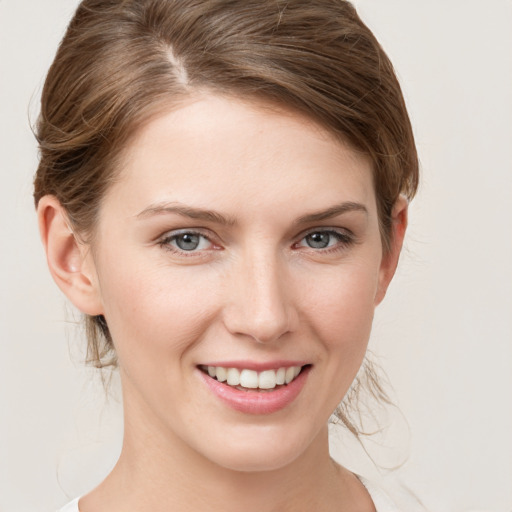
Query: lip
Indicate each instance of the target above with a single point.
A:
(256, 402)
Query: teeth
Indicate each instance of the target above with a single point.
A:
(280, 376)
(267, 379)
(290, 374)
(233, 376)
(222, 374)
(251, 379)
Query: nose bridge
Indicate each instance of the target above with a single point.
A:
(260, 305)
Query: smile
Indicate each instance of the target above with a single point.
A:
(252, 390)
(245, 379)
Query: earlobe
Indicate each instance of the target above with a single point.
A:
(69, 259)
(390, 258)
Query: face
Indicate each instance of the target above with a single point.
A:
(239, 247)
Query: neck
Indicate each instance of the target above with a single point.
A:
(187, 481)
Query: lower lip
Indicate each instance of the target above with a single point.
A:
(257, 402)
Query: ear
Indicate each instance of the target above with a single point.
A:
(390, 259)
(69, 260)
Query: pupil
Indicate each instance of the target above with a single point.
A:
(187, 242)
(318, 240)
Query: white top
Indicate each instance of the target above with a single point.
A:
(380, 499)
(71, 507)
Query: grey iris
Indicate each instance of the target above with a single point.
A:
(187, 241)
(318, 240)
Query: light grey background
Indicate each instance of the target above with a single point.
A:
(444, 334)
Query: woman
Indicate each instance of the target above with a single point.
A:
(223, 192)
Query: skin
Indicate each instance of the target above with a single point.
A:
(253, 289)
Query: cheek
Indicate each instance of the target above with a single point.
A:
(339, 311)
(154, 312)
(341, 307)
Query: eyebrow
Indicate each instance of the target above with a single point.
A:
(213, 216)
(332, 212)
(186, 211)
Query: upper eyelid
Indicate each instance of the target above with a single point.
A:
(165, 240)
(170, 236)
(326, 229)
(183, 231)
(344, 237)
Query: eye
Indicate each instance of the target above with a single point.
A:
(186, 241)
(325, 239)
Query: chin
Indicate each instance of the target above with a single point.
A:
(255, 461)
(263, 451)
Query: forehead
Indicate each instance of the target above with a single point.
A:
(234, 154)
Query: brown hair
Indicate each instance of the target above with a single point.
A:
(121, 61)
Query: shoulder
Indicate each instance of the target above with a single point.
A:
(398, 501)
(71, 507)
(380, 499)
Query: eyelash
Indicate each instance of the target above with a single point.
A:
(343, 237)
(165, 242)
(344, 240)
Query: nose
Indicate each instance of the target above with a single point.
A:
(260, 300)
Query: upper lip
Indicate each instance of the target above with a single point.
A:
(256, 366)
